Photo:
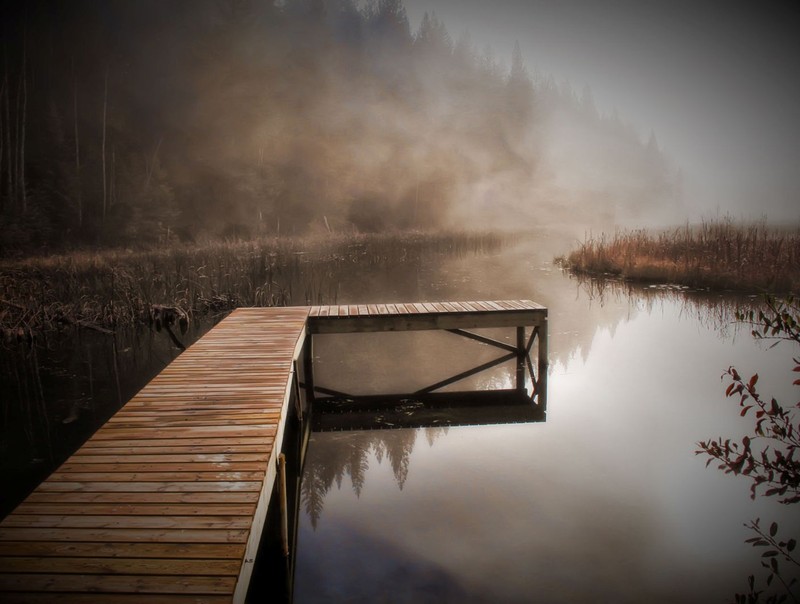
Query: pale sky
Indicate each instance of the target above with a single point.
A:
(718, 82)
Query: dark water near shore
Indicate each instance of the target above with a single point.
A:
(605, 501)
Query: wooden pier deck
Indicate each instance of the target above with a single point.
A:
(167, 501)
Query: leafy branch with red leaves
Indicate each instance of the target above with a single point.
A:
(768, 457)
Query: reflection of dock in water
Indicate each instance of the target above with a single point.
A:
(435, 410)
(170, 499)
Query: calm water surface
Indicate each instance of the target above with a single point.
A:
(603, 502)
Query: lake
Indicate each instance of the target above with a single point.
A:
(603, 501)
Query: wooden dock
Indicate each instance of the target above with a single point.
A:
(167, 501)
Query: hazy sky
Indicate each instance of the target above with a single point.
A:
(718, 82)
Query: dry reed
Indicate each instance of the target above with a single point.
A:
(105, 289)
(715, 255)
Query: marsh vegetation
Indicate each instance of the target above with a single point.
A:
(719, 254)
(102, 290)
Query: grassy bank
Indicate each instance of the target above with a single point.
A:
(117, 287)
(717, 255)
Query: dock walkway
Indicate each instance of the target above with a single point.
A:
(167, 501)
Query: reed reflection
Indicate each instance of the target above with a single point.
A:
(716, 311)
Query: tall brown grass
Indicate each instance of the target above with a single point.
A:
(117, 287)
(719, 254)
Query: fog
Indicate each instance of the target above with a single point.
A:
(153, 122)
(714, 80)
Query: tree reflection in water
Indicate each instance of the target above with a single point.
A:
(333, 458)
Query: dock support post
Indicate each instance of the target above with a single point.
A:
(282, 494)
(541, 382)
(308, 368)
(521, 354)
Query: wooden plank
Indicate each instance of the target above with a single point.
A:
(116, 497)
(130, 509)
(372, 308)
(161, 477)
(156, 423)
(84, 549)
(140, 535)
(147, 487)
(121, 566)
(74, 466)
(180, 433)
(128, 522)
(26, 597)
(146, 441)
(147, 457)
(143, 584)
(189, 424)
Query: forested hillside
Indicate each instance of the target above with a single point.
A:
(144, 122)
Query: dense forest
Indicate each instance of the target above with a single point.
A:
(149, 122)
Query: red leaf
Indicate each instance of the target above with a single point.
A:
(745, 410)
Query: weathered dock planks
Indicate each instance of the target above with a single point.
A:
(410, 316)
(167, 501)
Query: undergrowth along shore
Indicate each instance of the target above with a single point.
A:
(105, 289)
(718, 254)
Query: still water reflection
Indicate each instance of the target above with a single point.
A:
(603, 502)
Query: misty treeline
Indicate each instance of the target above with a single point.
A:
(154, 121)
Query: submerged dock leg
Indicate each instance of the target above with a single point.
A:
(541, 382)
(521, 354)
